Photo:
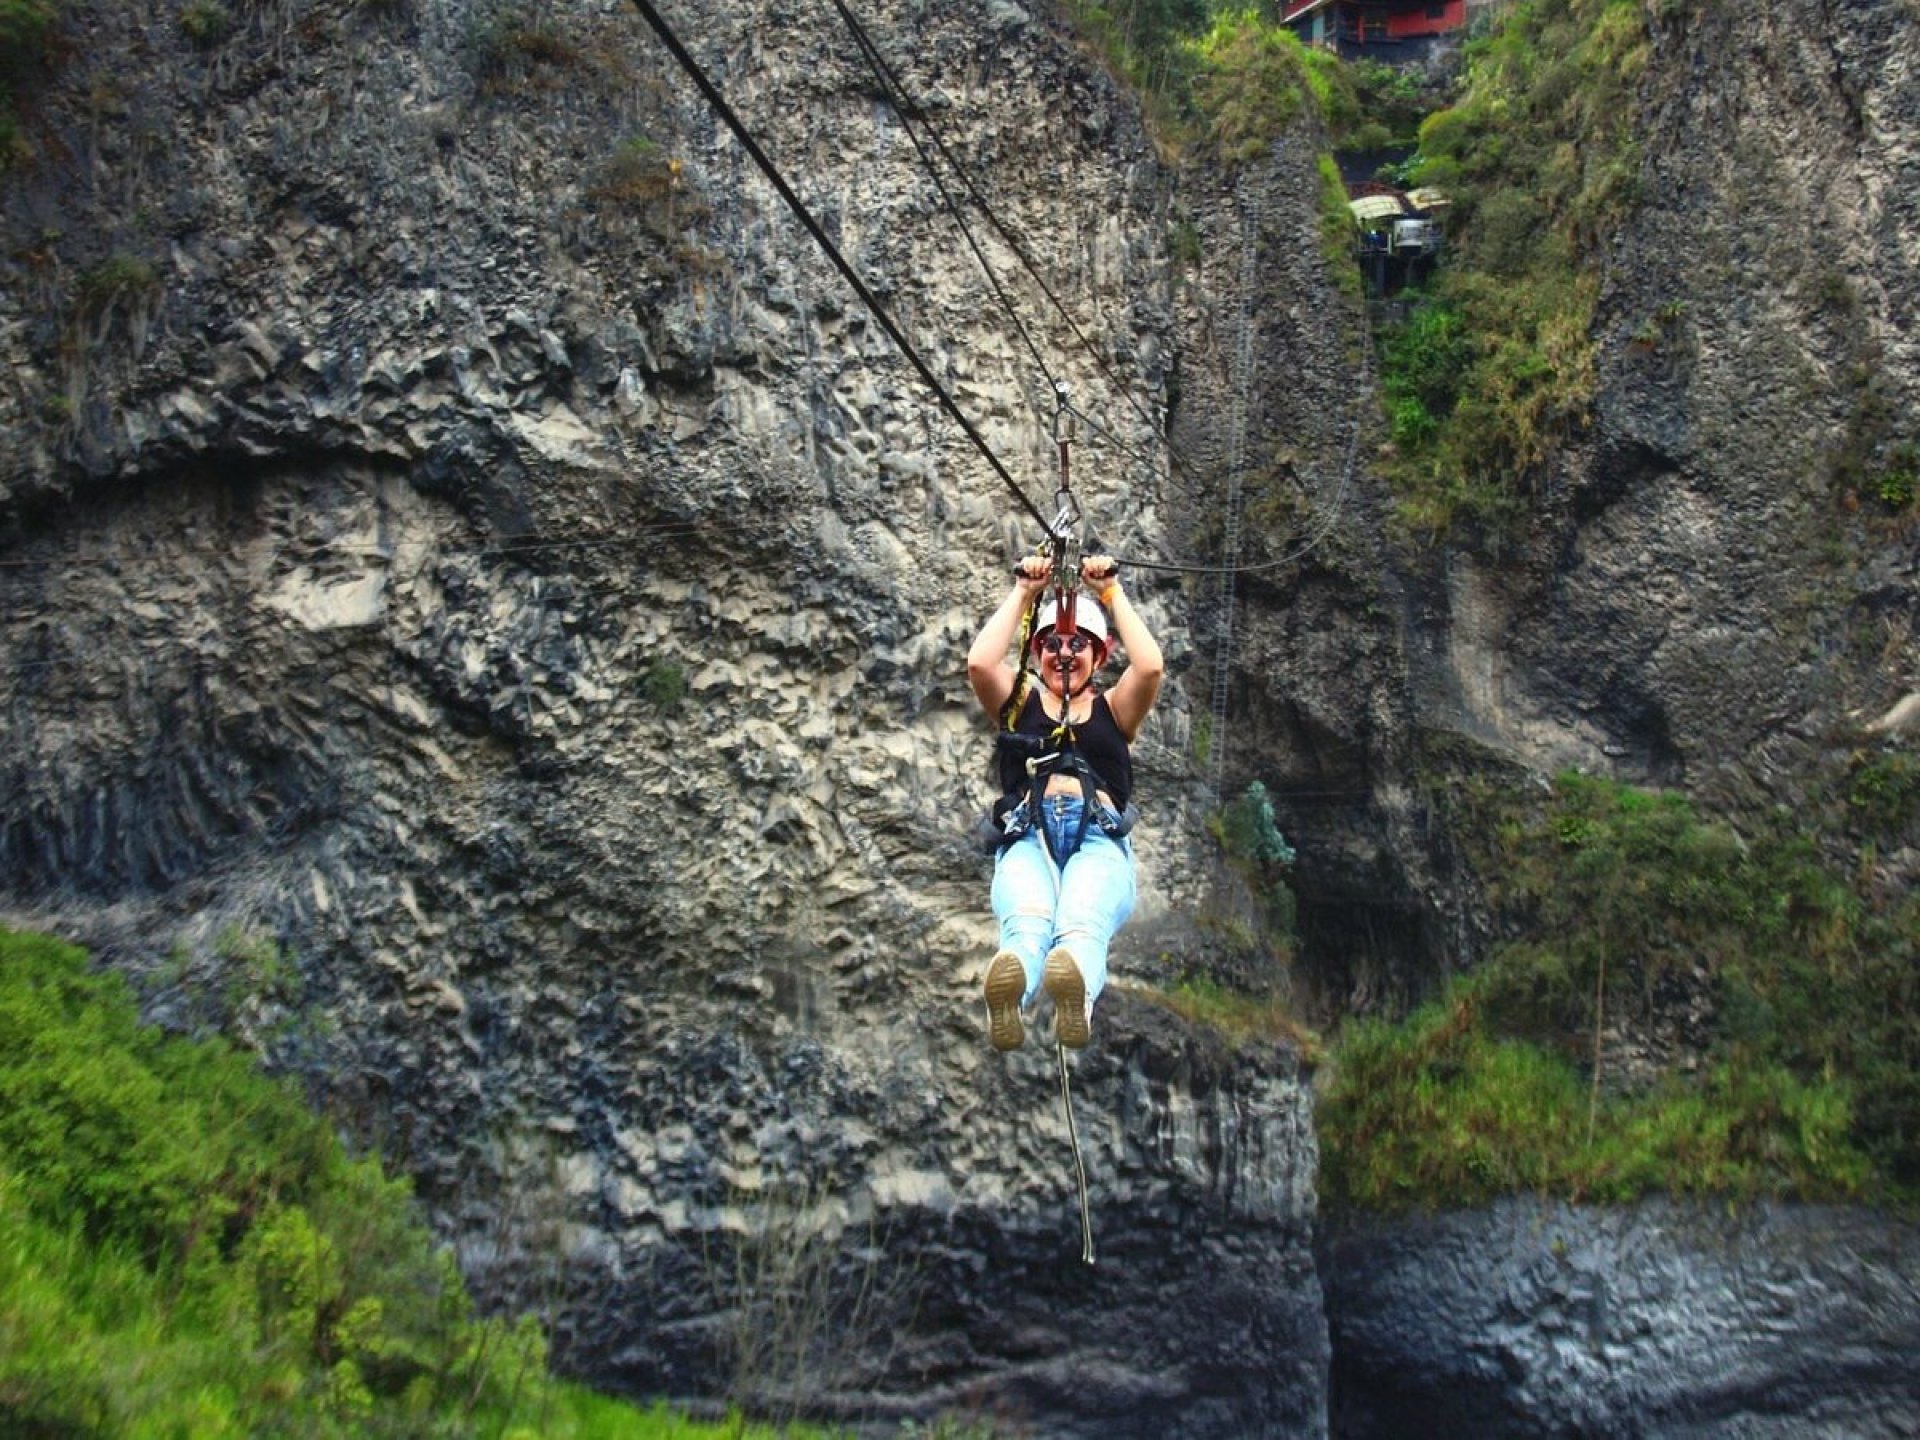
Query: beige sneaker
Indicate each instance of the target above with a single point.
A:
(1006, 983)
(1072, 1010)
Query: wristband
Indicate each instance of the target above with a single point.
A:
(1105, 597)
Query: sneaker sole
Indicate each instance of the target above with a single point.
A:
(1006, 983)
(1068, 991)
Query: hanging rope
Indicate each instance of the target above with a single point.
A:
(1079, 1165)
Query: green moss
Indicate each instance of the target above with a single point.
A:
(518, 48)
(1336, 231)
(1253, 84)
(664, 683)
(1443, 1109)
(1898, 483)
(207, 23)
(1242, 1017)
(1885, 794)
(119, 282)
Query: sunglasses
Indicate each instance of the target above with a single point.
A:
(1072, 644)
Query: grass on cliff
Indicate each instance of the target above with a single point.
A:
(1222, 72)
(1494, 368)
(1559, 1067)
(185, 1250)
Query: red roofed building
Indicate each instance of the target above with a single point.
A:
(1382, 29)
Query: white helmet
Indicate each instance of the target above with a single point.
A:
(1087, 616)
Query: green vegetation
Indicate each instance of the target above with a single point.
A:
(1242, 1017)
(1884, 795)
(26, 36)
(1392, 102)
(1540, 159)
(516, 48)
(1871, 458)
(1259, 937)
(186, 1250)
(1548, 1069)
(119, 282)
(1183, 245)
(1424, 361)
(1442, 1108)
(642, 180)
(207, 23)
(1336, 231)
(1222, 71)
(638, 171)
(1252, 84)
(1256, 918)
(1249, 835)
(1148, 44)
(1900, 481)
(664, 683)
(1494, 369)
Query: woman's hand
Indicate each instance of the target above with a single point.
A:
(1101, 574)
(1031, 575)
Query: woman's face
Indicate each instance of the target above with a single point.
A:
(1066, 662)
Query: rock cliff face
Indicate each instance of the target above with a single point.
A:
(1662, 1319)
(482, 604)
(1709, 593)
(1713, 597)
(484, 610)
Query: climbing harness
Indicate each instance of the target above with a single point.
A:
(1029, 760)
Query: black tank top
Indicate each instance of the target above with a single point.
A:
(1097, 740)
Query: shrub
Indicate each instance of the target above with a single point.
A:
(26, 27)
(513, 46)
(1255, 849)
(207, 23)
(1147, 44)
(120, 280)
(26, 34)
(1184, 246)
(186, 1250)
(1900, 480)
(1336, 229)
(1241, 1016)
(1249, 833)
(1425, 359)
(664, 683)
(1441, 1107)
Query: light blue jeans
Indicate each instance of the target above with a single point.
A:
(1080, 905)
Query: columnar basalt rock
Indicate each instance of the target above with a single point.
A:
(465, 539)
(1660, 1319)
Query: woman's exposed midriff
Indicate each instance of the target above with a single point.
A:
(1070, 785)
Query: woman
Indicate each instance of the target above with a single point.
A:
(1063, 881)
